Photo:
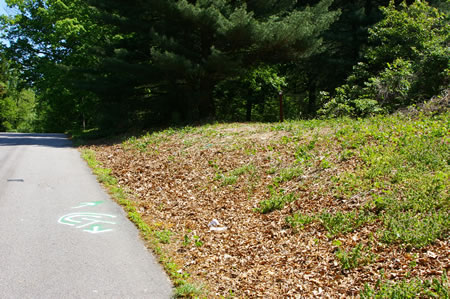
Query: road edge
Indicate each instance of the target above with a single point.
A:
(182, 287)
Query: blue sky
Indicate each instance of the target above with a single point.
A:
(3, 7)
(2, 12)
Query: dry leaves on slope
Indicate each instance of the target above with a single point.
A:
(179, 185)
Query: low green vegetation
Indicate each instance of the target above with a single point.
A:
(416, 229)
(231, 177)
(142, 143)
(415, 288)
(341, 223)
(276, 201)
(288, 174)
(402, 175)
(365, 185)
(357, 256)
(400, 179)
(299, 220)
(163, 236)
(188, 290)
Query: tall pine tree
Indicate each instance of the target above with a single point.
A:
(116, 63)
(181, 50)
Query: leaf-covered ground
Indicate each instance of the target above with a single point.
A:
(332, 208)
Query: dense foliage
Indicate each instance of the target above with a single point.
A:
(17, 104)
(115, 65)
(406, 63)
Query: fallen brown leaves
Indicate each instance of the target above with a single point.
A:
(176, 187)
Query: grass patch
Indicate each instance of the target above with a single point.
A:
(288, 174)
(414, 229)
(188, 290)
(404, 165)
(298, 220)
(155, 138)
(228, 180)
(277, 201)
(250, 168)
(143, 143)
(233, 176)
(357, 256)
(103, 174)
(342, 223)
(163, 236)
(435, 288)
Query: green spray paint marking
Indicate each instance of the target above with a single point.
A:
(88, 204)
(90, 222)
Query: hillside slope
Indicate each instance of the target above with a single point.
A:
(310, 208)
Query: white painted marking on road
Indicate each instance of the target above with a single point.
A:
(95, 229)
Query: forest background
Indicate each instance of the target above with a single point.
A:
(114, 66)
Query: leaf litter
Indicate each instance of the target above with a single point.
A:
(178, 183)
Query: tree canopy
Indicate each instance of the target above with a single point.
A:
(115, 65)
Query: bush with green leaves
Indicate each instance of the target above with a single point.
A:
(17, 106)
(350, 101)
(407, 63)
(392, 86)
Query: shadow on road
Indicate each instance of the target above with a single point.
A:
(46, 140)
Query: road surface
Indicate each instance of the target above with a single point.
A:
(60, 234)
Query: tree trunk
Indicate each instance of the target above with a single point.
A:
(312, 99)
(206, 108)
(248, 116)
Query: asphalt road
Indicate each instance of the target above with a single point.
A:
(61, 236)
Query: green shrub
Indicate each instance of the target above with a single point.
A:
(406, 63)
(299, 220)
